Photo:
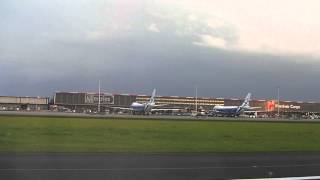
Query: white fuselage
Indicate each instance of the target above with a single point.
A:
(145, 107)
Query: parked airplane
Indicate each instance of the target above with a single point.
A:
(233, 110)
(147, 107)
(144, 107)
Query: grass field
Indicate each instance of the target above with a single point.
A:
(57, 134)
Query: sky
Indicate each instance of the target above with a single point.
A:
(225, 48)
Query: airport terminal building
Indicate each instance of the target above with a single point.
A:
(84, 101)
(14, 103)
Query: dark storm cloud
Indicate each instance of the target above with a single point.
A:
(174, 67)
(39, 57)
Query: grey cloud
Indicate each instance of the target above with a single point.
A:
(179, 22)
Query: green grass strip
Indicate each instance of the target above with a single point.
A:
(58, 134)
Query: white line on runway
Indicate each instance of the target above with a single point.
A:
(160, 168)
(287, 178)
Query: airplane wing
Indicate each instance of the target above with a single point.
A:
(251, 111)
(252, 108)
(121, 108)
(168, 109)
(160, 105)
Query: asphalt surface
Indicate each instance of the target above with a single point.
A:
(159, 117)
(157, 166)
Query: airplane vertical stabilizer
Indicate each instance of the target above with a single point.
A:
(246, 100)
(245, 103)
(152, 96)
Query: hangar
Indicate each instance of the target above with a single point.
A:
(13, 103)
(83, 101)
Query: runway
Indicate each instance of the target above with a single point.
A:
(157, 166)
(150, 117)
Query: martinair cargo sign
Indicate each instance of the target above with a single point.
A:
(289, 106)
(104, 99)
(272, 105)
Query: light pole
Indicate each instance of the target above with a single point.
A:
(99, 99)
(278, 101)
(196, 99)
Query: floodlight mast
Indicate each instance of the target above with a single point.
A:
(196, 99)
(99, 98)
(278, 102)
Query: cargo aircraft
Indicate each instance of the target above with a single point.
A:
(234, 110)
(146, 107)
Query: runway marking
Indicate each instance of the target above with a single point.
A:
(160, 168)
(287, 178)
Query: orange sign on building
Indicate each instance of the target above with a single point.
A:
(270, 106)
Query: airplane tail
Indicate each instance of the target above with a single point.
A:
(245, 103)
(246, 100)
(152, 96)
